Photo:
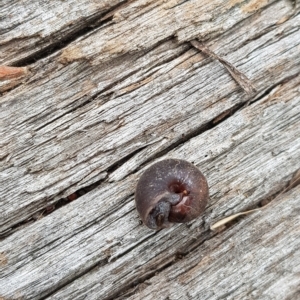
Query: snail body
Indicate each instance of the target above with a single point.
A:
(170, 191)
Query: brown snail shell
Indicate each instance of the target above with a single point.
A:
(170, 191)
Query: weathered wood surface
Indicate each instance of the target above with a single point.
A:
(115, 98)
(243, 264)
(68, 125)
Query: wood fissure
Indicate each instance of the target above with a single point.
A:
(83, 190)
(90, 116)
(294, 182)
(103, 152)
(97, 21)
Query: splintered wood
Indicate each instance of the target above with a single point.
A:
(239, 77)
(94, 92)
(12, 72)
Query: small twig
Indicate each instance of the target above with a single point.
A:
(238, 76)
(12, 72)
(295, 180)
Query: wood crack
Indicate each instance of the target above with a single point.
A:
(262, 203)
(83, 190)
(46, 211)
(94, 22)
(88, 129)
(131, 288)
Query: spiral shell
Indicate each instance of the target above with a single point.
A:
(170, 191)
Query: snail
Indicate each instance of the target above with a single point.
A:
(170, 191)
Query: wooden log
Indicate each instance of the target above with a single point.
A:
(113, 87)
(31, 28)
(68, 126)
(100, 235)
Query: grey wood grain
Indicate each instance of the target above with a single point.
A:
(67, 126)
(28, 27)
(113, 27)
(99, 238)
(257, 259)
(117, 87)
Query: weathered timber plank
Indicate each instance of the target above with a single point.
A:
(257, 259)
(245, 158)
(143, 28)
(66, 126)
(29, 28)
